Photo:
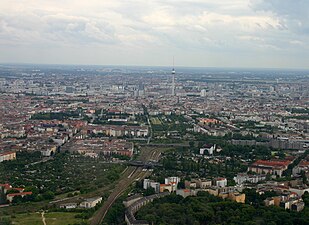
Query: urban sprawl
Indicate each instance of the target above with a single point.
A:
(81, 140)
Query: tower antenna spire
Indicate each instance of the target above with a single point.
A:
(173, 81)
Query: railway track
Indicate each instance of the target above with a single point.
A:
(127, 178)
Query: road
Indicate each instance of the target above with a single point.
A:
(127, 178)
(45, 159)
(150, 130)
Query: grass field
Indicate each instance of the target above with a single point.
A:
(60, 218)
(27, 219)
(155, 121)
(51, 218)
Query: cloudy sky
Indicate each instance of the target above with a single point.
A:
(208, 33)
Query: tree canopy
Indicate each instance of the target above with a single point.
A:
(208, 209)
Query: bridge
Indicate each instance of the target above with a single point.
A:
(148, 164)
(161, 145)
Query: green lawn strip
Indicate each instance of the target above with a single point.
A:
(62, 218)
(27, 219)
(51, 218)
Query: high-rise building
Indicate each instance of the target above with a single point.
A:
(173, 81)
(203, 93)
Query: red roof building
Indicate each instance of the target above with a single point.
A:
(274, 167)
(10, 197)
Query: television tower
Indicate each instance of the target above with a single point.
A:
(173, 81)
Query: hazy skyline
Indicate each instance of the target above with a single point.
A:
(206, 33)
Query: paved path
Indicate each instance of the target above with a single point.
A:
(43, 218)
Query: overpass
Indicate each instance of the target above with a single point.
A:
(148, 164)
(165, 145)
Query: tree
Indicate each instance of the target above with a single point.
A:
(191, 144)
(48, 195)
(12, 191)
(181, 185)
(5, 221)
(32, 189)
(207, 209)
(306, 198)
(149, 191)
(304, 177)
(17, 199)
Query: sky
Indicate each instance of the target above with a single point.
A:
(203, 33)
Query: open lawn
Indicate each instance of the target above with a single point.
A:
(155, 121)
(27, 219)
(51, 218)
(61, 218)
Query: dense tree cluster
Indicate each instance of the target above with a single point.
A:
(63, 173)
(208, 209)
(181, 160)
(55, 115)
(170, 123)
(246, 152)
(115, 215)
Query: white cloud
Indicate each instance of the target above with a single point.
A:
(294, 14)
(296, 42)
(159, 27)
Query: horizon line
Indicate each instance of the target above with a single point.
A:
(151, 66)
